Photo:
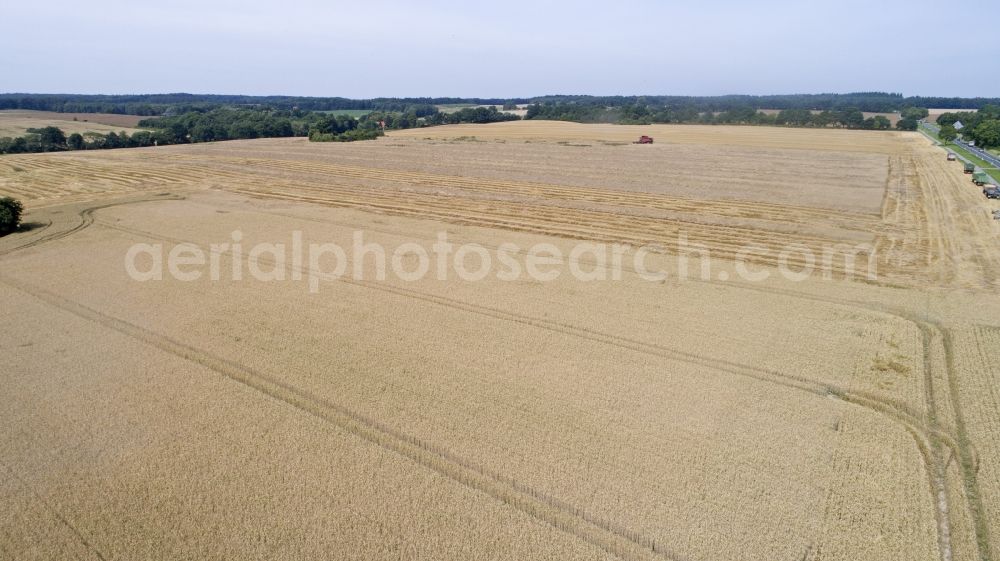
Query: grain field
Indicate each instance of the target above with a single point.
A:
(715, 417)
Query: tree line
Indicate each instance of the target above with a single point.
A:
(982, 126)
(644, 114)
(879, 102)
(341, 128)
(241, 123)
(344, 128)
(229, 124)
(179, 103)
(207, 126)
(53, 139)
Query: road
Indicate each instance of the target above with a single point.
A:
(979, 152)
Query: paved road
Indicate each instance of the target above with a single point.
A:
(982, 154)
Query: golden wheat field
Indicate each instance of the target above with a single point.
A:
(830, 416)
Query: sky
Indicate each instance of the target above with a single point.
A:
(501, 49)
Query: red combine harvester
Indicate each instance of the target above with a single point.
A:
(644, 140)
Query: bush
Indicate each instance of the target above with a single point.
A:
(948, 133)
(10, 215)
(348, 136)
(907, 124)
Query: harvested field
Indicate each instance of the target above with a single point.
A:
(933, 114)
(710, 135)
(706, 418)
(15, 122)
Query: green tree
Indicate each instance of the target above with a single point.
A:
(10, 215)
(112, 140)
(909, 124)
(52, 136)
(988, 133)
(853, 118)
(177, 133)
(18, 145)
(75, 141)
(823, 119)
(881, 123)
(141, 138)
(914, 113)
(948, 133)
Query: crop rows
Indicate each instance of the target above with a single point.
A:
(699, 422)
(759, 137)
(977, 365)
(422, 403)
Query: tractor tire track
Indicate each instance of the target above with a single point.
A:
(925, 437)
(928, 427)
(55, 512)
(933, 437)
(609, 537)
(824, 389)
(85, 219)
(968, 460)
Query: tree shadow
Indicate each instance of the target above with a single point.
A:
(29, 226)
(25, 227)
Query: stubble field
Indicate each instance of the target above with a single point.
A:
(700, 419)
(16, 122)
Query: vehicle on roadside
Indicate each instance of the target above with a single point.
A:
(951, 156)
(992, 192)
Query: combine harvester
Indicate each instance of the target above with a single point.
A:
(644, 140)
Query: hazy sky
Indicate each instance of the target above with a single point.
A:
(503, 49)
